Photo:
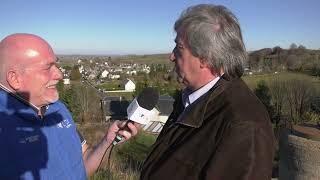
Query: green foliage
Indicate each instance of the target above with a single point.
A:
(67, 95)
(262, 92)
(291, 95)
(101, 175)
(140, 85)
(315, 105)
(137, 149)
(109, 86)
(82, 101)
(312, 117)
(67, 68)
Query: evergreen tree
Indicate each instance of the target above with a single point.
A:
(263, 93)
(75, 74)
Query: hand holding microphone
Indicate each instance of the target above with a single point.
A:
(140, 110)
(123, 129)
(139, 113)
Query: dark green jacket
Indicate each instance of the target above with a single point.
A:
(225, 134)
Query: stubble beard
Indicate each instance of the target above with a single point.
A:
(53, 98)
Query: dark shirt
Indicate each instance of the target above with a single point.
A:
(225, 134)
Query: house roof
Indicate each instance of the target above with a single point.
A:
(127, 80)
(115, 106)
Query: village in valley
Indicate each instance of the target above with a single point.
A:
(106, 85)
(116, 83)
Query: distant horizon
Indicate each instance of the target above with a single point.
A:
(132, 54)
(146, 27)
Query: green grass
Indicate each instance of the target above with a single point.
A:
(126, 95)
(252, 80)
(109, 86)
(138, 148)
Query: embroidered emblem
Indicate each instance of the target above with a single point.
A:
(64, 124)
(29, 139)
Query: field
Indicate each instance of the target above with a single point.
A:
(252, 80)
(145, 59)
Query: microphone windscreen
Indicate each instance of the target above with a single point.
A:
(148, 98)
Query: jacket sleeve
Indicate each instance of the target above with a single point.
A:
(246, 152)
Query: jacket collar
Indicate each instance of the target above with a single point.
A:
(18, 97)
(194, 114)
(16, 104)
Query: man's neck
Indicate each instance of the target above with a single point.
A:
(202, 81)
(189, 96)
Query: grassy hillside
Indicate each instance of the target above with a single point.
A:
(126, 159)
(144, 59)
(252, 80)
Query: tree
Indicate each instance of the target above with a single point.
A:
(68, 97)
(293, 46)
(302, 47)
(293, 62)
(67, 68)
(75, 74)
(277, 91)
(315, 105)
(139, 87)
(153, 70)
(299, 95)
(262, 92)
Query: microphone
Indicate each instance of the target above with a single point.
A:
(140, 109)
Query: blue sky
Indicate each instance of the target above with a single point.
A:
(146, 26)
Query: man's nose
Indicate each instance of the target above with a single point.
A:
(57, 73)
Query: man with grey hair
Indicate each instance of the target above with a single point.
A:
(218, 129)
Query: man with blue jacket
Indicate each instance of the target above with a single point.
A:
(38, 137)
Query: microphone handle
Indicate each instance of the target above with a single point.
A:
(119, 137)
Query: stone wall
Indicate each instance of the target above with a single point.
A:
(299, 157)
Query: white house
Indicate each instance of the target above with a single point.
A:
(161, 113)
(129, 85)
(62, 70)
(114, 76)
(66, 81)
(81, 69)
(92, 76)
(118, 70)
(104, 74)
(132, 72)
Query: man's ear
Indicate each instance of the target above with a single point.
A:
(203, 64)
(13, 79)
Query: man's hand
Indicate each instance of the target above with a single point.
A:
(93, 156)
(122, 128)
